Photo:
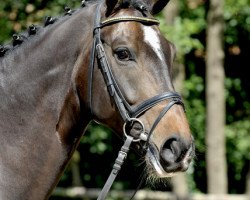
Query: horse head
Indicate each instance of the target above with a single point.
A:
(136, 82)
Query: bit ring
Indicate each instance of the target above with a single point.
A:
(142, 134)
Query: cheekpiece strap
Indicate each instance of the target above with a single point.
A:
(144, 20)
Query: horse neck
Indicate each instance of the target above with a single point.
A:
(47, 60)
(39, 72)
(36, 91)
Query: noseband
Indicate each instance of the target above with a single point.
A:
(128, 113)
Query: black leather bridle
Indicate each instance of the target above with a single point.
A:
(128, 113)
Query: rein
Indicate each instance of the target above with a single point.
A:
(128, 113)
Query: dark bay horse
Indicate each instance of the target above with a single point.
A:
(50, 91)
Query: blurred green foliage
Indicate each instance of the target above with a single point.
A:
(99, 146)
(17, 15)
(188, 34)
(99, 139)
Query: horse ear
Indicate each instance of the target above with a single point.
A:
(111, 5)
(158, 6)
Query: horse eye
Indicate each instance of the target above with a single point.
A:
(123, 54)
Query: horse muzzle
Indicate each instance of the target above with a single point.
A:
(174, 156)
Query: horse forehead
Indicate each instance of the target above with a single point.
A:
(129, 30)
(151, 37)
(136, 32)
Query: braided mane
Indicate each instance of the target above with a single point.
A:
(33, 30)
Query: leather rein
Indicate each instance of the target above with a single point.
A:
(128, 113)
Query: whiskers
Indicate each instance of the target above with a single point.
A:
(150, 177)
(153, 180)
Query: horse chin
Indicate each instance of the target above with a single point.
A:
(155, 168)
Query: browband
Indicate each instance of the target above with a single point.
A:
(144, 20)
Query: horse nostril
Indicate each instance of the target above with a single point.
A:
(175, 148)
(170, 151)
(173, 153)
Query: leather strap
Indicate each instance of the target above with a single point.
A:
(116, 168)
(146, 105)
(146, 20)
(158, 119)
(92, 61)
